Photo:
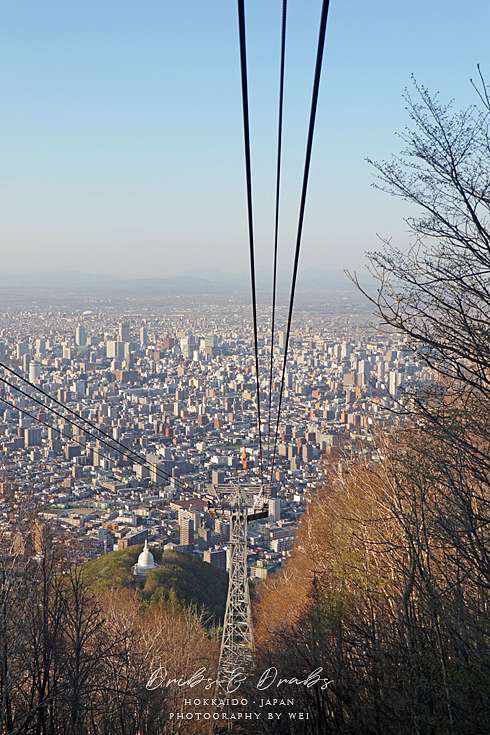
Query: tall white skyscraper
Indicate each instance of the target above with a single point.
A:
(34, 372)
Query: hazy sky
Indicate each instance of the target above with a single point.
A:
(121, 141)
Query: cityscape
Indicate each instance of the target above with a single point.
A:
(245, 368)
(176, 386)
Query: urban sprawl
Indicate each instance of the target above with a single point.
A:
(177, 386)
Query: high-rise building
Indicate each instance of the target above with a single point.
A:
(222, 528)
(363, 369)
(80, 387)
(123, 334)
(54, 440)
(115, 350)
(40, 346)
(71, 451)
(275, 509)
(346, 350)
(211, 345)
(156, 472)
(26, 361)
(127, 354)
(34, 371)
(81, 336)
(380, 369)
(216, 557)
(211, 340)
(186, 530)
(393, 382)
(159, 469)
(143, 337)
(21, 349)
(141, 471)
(217, 477)
(32, 437)
(187, 345)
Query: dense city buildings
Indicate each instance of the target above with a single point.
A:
(176, 386)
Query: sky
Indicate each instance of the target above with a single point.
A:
(121, 139)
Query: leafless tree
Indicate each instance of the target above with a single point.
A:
(392, 560)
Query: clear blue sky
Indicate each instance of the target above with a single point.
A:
(121, 133)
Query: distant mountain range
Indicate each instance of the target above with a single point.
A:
(172, 285)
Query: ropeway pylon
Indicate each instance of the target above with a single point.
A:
(242, 503)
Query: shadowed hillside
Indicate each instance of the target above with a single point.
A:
(180, 578)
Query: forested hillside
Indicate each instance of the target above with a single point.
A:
(178, 577)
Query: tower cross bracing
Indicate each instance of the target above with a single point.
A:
(242, 503)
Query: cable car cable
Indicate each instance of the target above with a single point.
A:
(276, 219)
(127, 451)
(248, 170)
(309, 146)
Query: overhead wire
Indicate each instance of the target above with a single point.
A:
(248, 171)
(127, 450)
(276, 217)
(77, 415)
(59, 431)
(139, 459)
(309, 146)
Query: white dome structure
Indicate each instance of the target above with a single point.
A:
(145, 562)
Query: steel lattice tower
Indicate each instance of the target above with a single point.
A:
(245, 502)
